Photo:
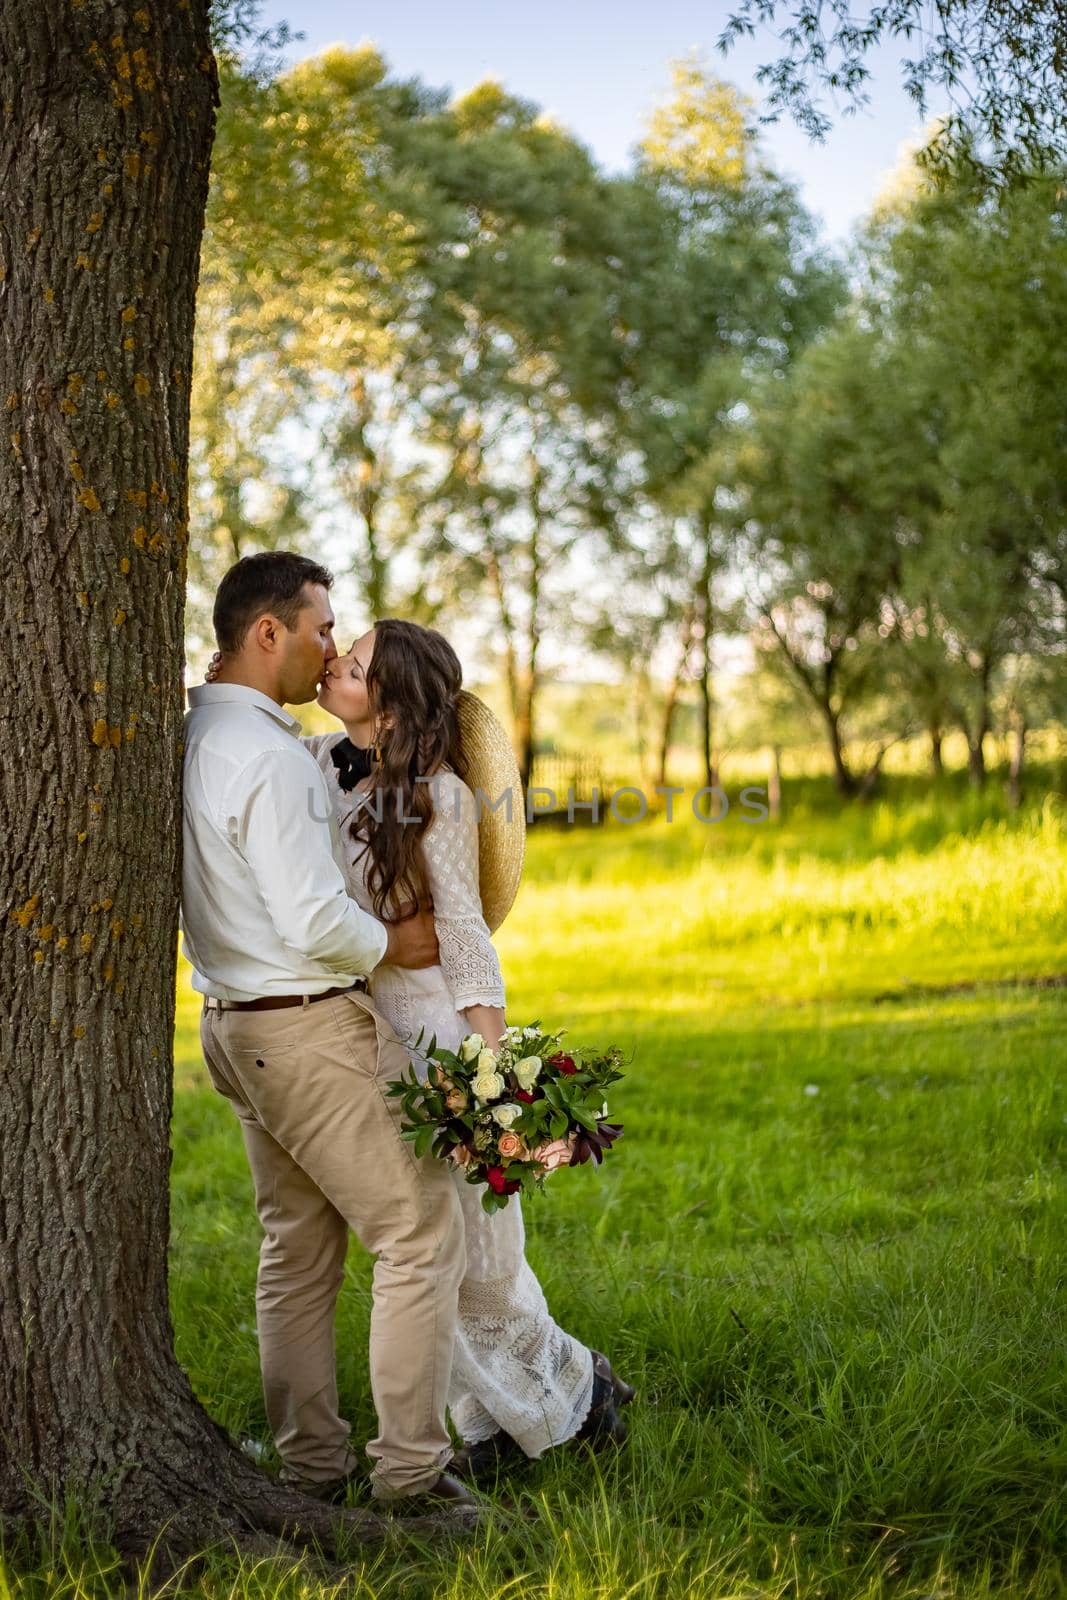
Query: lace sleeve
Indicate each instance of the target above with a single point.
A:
(450, 851)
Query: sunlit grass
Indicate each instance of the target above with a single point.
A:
(828, 1250)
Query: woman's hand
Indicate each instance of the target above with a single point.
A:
(213, 667)
(488, 1021)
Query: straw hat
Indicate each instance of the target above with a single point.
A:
(492, 768)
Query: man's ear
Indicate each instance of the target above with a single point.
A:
(265, 631)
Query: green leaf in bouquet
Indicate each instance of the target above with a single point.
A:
(582, 1116)
(559, 1125)
(424, 1138)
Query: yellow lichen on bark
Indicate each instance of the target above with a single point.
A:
(87, 498)
(141, 385)
(145, 76)
(95, 222)
(105, 738)
(124, 565)
(86, 942)
(119, 617)
(139, 536)
(78, 1031)
(137, 497)
(26, 913)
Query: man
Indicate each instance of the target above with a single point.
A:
(290, 1038)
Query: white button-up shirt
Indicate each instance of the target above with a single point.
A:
(265, 910)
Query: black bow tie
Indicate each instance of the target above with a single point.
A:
(351, 762)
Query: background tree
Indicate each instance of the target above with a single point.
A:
(1000, 70)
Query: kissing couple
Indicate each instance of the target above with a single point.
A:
(325, 930)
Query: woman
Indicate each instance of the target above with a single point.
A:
(520, 1383)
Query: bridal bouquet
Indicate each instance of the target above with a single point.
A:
(510, 1116)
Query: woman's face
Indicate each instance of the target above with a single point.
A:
(344, 685)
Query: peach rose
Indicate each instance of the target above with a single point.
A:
(510, 1146)
(556, 1153)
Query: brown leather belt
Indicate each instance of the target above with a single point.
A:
(274, 1002)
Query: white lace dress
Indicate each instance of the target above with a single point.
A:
(515, 1369)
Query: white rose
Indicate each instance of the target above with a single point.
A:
(470, 1046)
(505, 1115)
(487, 1061)
(527, 1071)
(488, 1086)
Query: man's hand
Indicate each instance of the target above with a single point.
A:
(412, 942)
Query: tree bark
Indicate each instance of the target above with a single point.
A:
(108, 126)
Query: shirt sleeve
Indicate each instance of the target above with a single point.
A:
(450, 853)
(280, 817)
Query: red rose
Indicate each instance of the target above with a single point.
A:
(564, 1064)
(498, 1182)
(525, 1096)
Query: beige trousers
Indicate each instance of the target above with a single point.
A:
(324, 1146)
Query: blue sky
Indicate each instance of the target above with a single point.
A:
(599, 66)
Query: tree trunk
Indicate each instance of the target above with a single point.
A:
(774, 784)
(707, 630)
(976, 759)
(364, 490)
(674, 690)
(525, 736)
(844, 781)
(937, 760)
(1017, 760)
(108, 128)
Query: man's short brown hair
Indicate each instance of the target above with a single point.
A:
(270, 582)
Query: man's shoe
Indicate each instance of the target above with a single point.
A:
(447, 1494)
(334, 1490)
(485, 1459)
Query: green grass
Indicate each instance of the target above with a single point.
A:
(828, 1250)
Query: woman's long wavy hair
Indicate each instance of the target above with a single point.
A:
(414, 678)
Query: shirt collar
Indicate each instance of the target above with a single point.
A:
(210, 694)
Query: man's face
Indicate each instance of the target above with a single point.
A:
(307, 649)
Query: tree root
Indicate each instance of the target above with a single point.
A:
(165, 1523)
